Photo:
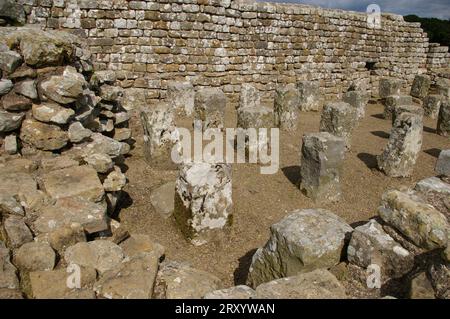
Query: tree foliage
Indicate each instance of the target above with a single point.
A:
(438, 30)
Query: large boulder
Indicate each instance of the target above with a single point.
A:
(15, 102)
(52, 113)
(10, 121)
(301, 242)
(17, 232)
(43, 136)
(35, 256)
(12, 11)
(65, 88)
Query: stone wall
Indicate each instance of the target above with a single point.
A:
(226, 43)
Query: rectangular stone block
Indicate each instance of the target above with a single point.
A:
(181, 96)
(309, 95)
(357, 99)
(443, 124)
(389, 86)
(339, 119)
(420, 86)
(209, 107)
(287, 100)
(443, 163)
(249, 97)
(392, 101)
(321, 166)
(431, 105)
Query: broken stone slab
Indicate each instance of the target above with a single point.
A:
(434, 185)
(110, 93)
(180, 281)
(407, 108)
(18, 165)
(400, 154)
(81, 181)
(10, 121)
(389, 86)
(8, 276)
(67, 210)
(203, 201)
(443, 124)
(137, 244)
(317, 284)
(392, 101)
(134, 98)
(250, 97)
(43, 136)
(160, 136)
(59, 162)
(443, 163)
(16, 231)
(103, 255)
(358, 100)
(65, 236)
(102, 163)
(15, 102)
(443, 87)
(5, 86)
(421, 287)
(420, 86)
(65, 88)
(163, 199)
(122, 134)
(10, 205)
(181, 96)
(6, 293)
(52, 113)
(209, 107)
(339, 119)
(370, 244)
(34, 256)
(121, 118)
(115, 181)
(27, 88)
(432, 105)
(321, 166)
(58, 289)
(10, 145)
(102, 144)
(23, 187)
(237, 292)
(309, 96)
(301, 242)
(419, 222)
(287, 101)
(132, 279)
(102, 77)
(9, 61)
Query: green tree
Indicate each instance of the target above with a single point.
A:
(438, 30)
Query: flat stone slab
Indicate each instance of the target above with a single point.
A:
(163, 199)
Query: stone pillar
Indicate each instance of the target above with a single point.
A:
(431, 105)
(287, 107)
(357, 99)
(389, 86)
(321, 166)
(160, 136)
(203, 201)
(443, 87)
(249, 97)
(180, 96)
(339, 119)
(301, 242)
(443, 163)
(393, 101)
(409, 108)
(400, 154)
(420, 86)
(309, 95)
(209, 107)
(443, 124)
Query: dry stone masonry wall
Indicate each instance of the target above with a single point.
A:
(227, 43)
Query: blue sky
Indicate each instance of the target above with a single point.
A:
(424, 8)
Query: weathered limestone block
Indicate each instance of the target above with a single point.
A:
(443, 87)
(8, 277)
(439, 273)
(77, 181)
(132, 279)
(421, 287)
(134, 99)
(163, 199)
(52, 113)
(389, 86)
(419, 222)
(65, 88)
(137, 244)
(68, 210)
(27, 88)
(237, 292)
(443, 124)
(339, 119)
(103, 255)
(400, 154)
(443, 163)
(10, 121)
(65, 236)
(321, 166)
(9, 60)
(5, 86)
(10, 205)
(115, 181)
(10, 145)
(110, 93)
(421, 86)
(359, 100)
(181, 96)
(160, 136)
(17, 232)
(287, 101)
(102, 163)
(431, 105)
(435, 192)
(180, 281)
(102, 77)
(317, 284)
(407, 108)
(35, 256)
(301, 242)
(203, 201)
(43, 136)
(309, 95)
(392, 101)
(370, 244)
(209, 107)
(21, 185)
(255, 118)
(250, 97)
(15, 102)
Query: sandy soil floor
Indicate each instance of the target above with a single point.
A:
(262, 200)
